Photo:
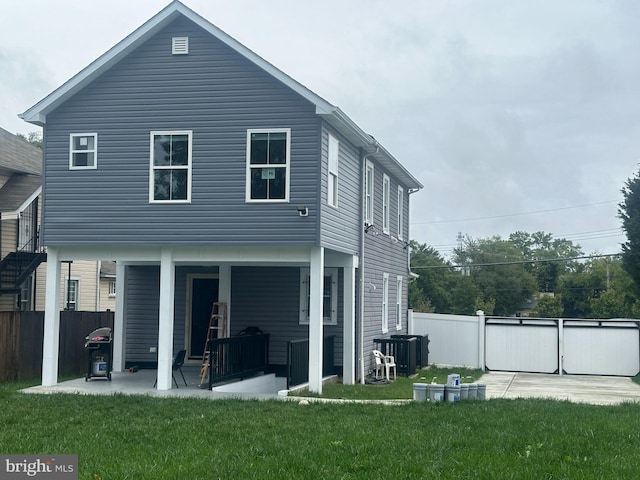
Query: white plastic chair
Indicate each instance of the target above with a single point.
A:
(386, 362)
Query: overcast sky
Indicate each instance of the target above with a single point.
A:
(515, 115)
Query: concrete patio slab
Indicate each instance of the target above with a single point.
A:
(591, 389)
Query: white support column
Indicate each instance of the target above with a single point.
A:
(51, 341)
(349, 318)
(316, 293)
(481, 324)
(224, 291)
(119, 339)
(165, 324)
(560, 346)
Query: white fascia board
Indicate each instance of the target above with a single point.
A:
(37, 113)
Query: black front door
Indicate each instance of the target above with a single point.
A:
(204, 291)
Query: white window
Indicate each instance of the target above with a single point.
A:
(83, 151)
(112, 288)
(398, 302)
(386, 187)
(385, 303)
(329, 300)
(170, 172)
(332, 180)
(268, 152)
(71, 294)
(400, 212)
(368, 193)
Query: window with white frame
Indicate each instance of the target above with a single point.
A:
(170, 172)
(71, 294)
(268, 158)
(112, 288)
(83, 151)
(329, 299)
(399, 302)
(332, 178)
(368, 193)
(400, 212)
(386, 188)
(385, 303)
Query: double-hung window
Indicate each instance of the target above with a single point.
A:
(368, 193)
(400, 212)
(329, 299)
(386, 187)
(170, 172)
(399, 302)
(71, 295)
(332, 179)
(83, 151)
(268, 160)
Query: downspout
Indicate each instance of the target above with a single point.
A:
(98, 285)
(361, 269)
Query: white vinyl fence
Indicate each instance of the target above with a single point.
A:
(571, 346)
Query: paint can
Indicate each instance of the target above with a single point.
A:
(420, 392)
(453, 379)
(436, 392)
(464, 391)
(452, 393)
(473, 391)
(482, 391)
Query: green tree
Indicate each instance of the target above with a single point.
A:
(34, 138)
(549, 306)
(629, 212)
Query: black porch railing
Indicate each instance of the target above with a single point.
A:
(298, 360)
(403, 350)
(422, 348)
(237, 357)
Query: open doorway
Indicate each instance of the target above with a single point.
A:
(202, 293)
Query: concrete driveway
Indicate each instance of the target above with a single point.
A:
(596, 390)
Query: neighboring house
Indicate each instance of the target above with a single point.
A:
(209, 175)
(22, 267)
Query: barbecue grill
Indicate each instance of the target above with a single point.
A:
(99, 347)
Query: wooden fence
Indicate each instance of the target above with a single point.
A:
(21, 335)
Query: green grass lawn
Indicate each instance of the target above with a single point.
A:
(122, 437)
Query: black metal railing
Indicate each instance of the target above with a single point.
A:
(298, 360)
(237, 357)
(403, 350)
(422, 348)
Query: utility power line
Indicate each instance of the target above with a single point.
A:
(518, 262)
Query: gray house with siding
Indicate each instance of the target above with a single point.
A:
(209, 175)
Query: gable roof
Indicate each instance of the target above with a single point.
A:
(37, 114)
(22, 163)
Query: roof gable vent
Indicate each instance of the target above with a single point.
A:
(180, 45)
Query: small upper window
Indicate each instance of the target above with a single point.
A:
(332, 179)
(268, 165)
(83, 151)
(386, 187)
(170, 173)
(368, 194)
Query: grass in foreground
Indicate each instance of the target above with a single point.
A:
(123, 437)
(401, 388)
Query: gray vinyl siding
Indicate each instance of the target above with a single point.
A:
(340, 227)
(269, 298)
(215, 93)
(142, 310)
(382, 254)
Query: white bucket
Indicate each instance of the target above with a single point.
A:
(453, 379)
(473, 391)
(420, 392)
(436, 392)
(482, 391)
(452, 393)
(464, 391)
(100, 367)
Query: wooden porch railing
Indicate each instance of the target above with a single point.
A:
(298, 360)
(237, 357)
